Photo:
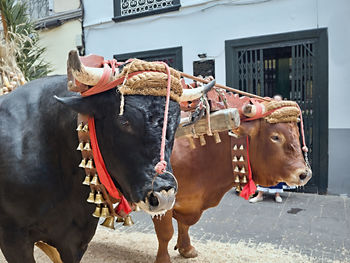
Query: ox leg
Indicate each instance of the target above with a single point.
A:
(50, 251)
(164, 230)
(16, 246)
(72, 245)
(184, 242)
(71, 251)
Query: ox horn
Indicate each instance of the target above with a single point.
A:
(249, 110)
(86, 75)
(193, 94)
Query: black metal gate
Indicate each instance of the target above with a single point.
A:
(289, 67)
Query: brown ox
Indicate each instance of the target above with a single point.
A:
(204, 175)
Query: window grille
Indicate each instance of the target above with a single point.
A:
(38, 9)
(128, 9)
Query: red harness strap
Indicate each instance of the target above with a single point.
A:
(102, 172)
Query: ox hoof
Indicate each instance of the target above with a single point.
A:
(188, 252)
(163, 259)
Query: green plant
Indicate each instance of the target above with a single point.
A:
(19, 28)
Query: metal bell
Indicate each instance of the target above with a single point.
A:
(241, 159)
(90, 164)
(234, 159)
(237, 179)
(87, 147)
(91, 198)
(87, 180)
(80, 146)
(94, 180)
(120, 220)
(202, 140)
(128, 221)
(241, 147)
(137, 208)
(85, 128)
(105, 211)
(97, 212)
(109, 222)
(83, 163)
(236, 169)
(244, 180)
(235, 147)
(99, 198)
(80, 127)
(242, 170)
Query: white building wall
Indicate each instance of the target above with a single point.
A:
(58, 42)
(203, 27)
(335, 16)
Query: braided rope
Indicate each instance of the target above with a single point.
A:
(282, 111)
(274, 104)
(152, 83)
(284, 114)
(141, 65)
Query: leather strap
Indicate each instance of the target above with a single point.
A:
(239, 162)
(84, 137)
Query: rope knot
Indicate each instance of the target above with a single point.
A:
(160, 167)
(305, 149)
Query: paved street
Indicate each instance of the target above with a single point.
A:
(314, 225)
(304, 228)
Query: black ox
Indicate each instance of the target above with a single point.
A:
(41, 193)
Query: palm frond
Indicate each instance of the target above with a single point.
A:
(21, 31)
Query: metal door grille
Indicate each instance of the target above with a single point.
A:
(302, 75)
(250, 71)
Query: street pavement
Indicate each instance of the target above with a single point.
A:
(314, 225)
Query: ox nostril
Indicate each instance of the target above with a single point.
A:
(167, 188)
(303, 176)
(153, 200)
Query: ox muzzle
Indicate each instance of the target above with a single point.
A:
(157, 203)
(301, 177)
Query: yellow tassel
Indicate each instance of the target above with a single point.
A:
(5, 80)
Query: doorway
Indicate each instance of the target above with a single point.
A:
(295, 66)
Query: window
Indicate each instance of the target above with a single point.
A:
(171, 56)
(39, 9)
(43, 14)
(128, 9)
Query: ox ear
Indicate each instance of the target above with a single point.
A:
(249, 128)
(78, 104)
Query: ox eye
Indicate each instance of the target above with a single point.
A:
(275, 138)
(125, 124)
